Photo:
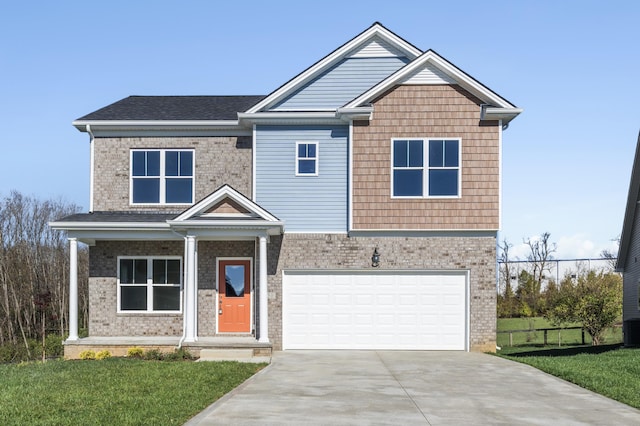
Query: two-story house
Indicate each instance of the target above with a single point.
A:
(355, 207)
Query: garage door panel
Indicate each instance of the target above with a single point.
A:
(338, 310)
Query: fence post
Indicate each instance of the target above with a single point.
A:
(510, 339)
(545, 337)
(583, 336)
(559, 338)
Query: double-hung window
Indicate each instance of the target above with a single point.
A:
(162, 176)
(149, 284)
(425, 168)
(306, 158)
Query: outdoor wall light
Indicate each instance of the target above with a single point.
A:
(375, 259)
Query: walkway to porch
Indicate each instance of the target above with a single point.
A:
(219, 348)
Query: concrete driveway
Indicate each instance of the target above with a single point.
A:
(407, 388)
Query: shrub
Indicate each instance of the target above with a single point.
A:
(105, 354)
(135, 352)
(53, 346)
(153, 355)
(87, 354)
(181, 354)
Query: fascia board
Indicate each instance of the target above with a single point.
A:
(358, 113)
(630, 211)
(504, 114)
(98, 125)
(289, 117)
(109, 226)
(463, 79)
(224, 224)
(335, 56)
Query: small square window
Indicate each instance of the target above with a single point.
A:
(306, 158)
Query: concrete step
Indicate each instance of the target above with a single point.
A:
(240, 355)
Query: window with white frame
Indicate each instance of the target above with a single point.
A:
(425, 168)
(306, 158)
(149, 284)
(161, 176)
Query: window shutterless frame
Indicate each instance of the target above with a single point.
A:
(307, 158)
(426, 167)
(162, 177)
(149, 284)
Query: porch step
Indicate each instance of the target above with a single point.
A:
(240, 355)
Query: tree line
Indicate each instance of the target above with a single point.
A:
(34, 271)
(590, 297)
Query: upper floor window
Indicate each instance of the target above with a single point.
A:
(306, 158)
(149, 284)
(162, 176)
(425, 171)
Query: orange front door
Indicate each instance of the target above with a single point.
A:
(234, 296)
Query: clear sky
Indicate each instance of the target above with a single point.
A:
(573, 66)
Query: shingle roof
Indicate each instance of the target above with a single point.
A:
(174, 108)
(118, 217)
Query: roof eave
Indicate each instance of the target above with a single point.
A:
(101, 125)
(289, 117)
(109, 226)
(298, 81)
(495, 113)
(630, 211)
(463, 79)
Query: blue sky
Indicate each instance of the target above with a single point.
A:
(572, 65)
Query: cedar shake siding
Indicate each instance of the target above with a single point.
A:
(424, 112)
(218, 161)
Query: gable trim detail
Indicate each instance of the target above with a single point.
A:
(343, 51)
(431, 58)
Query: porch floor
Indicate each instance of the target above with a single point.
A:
(238, 348)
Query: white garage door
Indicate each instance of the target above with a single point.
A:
(374, 310)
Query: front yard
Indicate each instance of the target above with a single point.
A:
(610, 370)
(114, 391)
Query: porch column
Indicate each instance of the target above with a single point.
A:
(190, 294)
(73, 289)
(264, 301)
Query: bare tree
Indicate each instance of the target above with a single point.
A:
(540, 253)
(34, 264)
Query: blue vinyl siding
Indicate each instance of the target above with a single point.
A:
(304, 203)
(341, 83)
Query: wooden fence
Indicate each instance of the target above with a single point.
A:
(546, 333)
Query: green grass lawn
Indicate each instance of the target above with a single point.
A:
(610, 370)
(115, 391)
(554, 338)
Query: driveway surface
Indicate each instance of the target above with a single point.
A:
(409, 388)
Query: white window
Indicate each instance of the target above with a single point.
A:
(162, 176)
(306, 158)
(150, 284)
(425, 168)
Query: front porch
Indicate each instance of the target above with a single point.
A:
(223, 348)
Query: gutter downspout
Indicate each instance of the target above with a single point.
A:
(91, 166)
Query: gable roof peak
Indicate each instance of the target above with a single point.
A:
(375, 30)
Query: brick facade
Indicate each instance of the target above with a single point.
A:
(104, 321)
(331, 252)
(293, 251)
(218, 161)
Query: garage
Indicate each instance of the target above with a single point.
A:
(386, 310)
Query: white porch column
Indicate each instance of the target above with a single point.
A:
(73, 289)
(264, 301)
(190, 293)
